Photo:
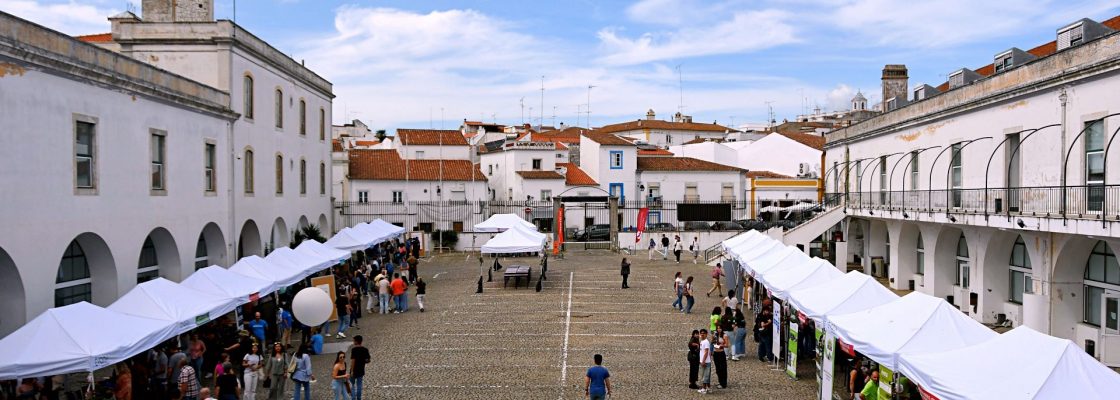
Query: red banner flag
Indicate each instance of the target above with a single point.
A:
(559, 230)
(643, 215)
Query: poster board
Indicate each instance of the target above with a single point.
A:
(776, 343)
(827, 364)
(886, 382)
(326, 283)
(791, 347)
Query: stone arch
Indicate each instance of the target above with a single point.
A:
(160, 254)
(13, 306)
(303, 222)
(856, 236)
(941, 275)
(994, 273)
(249, 242)
(279, 237)
(905, 266)
(323, 226)
(877, 246)
(210, 249)
(86, 266)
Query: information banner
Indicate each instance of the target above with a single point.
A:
(326, 283)
(791, 347)
(828, 362)
(643, 215)
(886, 382)
(559, 242)
(776, 342)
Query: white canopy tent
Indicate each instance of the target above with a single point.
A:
(257, 267)
(294, 260)
(772, 260)
(849, 293)
(915, 323)
(79, 337)
(223, 282)
(743, 247)
(745, 237)
(166, 300)
(503, 222)
(1019, 364)
(390, 229)
(322, 251)
(750, 251)
(515, 240)
(813, 272)
(350, 239)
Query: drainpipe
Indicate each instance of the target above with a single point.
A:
(235, 236)
(1064, 98)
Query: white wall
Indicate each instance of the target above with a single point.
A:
(434, 152)
(759, 155)
(665, 138)
(709, 184)
(707, 151)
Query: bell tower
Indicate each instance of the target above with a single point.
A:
(177, 10)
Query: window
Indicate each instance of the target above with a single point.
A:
(536, 164)
(727, 193)
(1003, 63)
(691, 193)
(1094, 163)
(957, 173)
(883, 180)
(84, 154)
(209, 165)
(322, 124)
(322, 178)
(363, 196)
(962, 263)
(616, 159)
(490, 169)
(279, 174)
(558, 155)
(201, 258)
(1020, 271)
(920, 256)
(836, 176)
(914, 168)
(158, 152)
(248, 97)
(302, 176)
(248, 171)
(419, 155)
(859, 176)
(1076, 35)
(398, 197)
(148, 268)
(302, 117)
(73, 283)
(546, 195)
(1101, 273)
(617, 190)
(279, 108)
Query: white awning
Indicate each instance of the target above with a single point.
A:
(322, 251)
(849, 293)
(257, 267)
(166, 300)
(502, 222)
(295, 260)
(515, 240)
(813, 272)
(223, 282)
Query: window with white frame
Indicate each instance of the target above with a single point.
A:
(920, 256)
(159, 151)
(957, 173)
(883, 180)
(1019, 269)
(73, 283)
(1102, 273)
(398, 197)
(616, 159)
(419, 154)
(1094, 163)
(914, 168)
(363, 196)
(546, 195)
(963, 267)
(248, 83)
(210, 166)
(536, 164)
(84, 155)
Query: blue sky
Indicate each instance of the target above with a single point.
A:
(404, 63)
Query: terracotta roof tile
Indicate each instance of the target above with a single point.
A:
(765, 174)
(654, 153)
(576, 176)
(387, 165)
(569, 135)
(336, 146)
(561, 146)
(680, 164)
(702, 140)
(96, 38)
(606, 139)
(809, 139)
(666, 125)
(431, 137)
(540, 175)
(366, 143)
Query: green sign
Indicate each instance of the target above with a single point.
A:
(202, 319)
(791, 366)
(886, 382)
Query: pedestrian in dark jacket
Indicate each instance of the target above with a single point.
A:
(625, 273)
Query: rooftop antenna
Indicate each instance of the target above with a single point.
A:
(770, 112)
(522, 111)
(589, 87)
(680, 87)
(540, 126)
(553, 116)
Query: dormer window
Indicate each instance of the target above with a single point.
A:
(1003, 63)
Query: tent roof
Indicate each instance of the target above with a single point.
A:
(1044, 367)
(773, 260)
(163, 299)
(75, 338)
(381, 225)
(319, 250)
(915, 323)
(515, 240)
(502, 222)
(750, 251)
(300, 261)
(351, 239)
(744, 237)
(813, 272)
(738, 248)
(849, 293)
(223, 282)
(257, 267)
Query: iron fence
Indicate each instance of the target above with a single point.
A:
(1074, 202)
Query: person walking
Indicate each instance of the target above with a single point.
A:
(598, 384)
(694, 247)
(738, 343)
(664, 247)
(257, 327)
(302, 374)
(340, 380)
(705, 362)
(342, 306)
(730, 301)
(421, 292)
(625, 273)
(688, 296)
(251, 364)
(677, 248)
(652, 248)
(359, 357)
(678, 287)
(719, 356)
(275, 367)
(717, 273)
(226, 386)
(693, 358)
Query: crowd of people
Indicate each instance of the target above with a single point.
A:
(676, 247)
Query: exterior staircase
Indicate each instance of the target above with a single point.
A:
(809, 230)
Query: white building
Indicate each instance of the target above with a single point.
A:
(431, 144)
(995, 194)
(392, 184)
(611, 161)
(165, 172)
(666, 133)
(524, 170)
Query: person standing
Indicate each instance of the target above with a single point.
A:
(413, 274)
(158, 359)
(188, 381)
(730, 301)
(664, 247)
(340, 380)
(285, 324)
(688, 296)
(713, 319)
(705, 362)
(678, 287)
(359, 357)
(275, 367)
(175, 364)
(693, 358)
(762, 324)
(196, 351)
(251, 365)
(652, 248)
(421, 293)
(383, 292)
(738, 344)
(598, 384)
(677, 248)
(302, 376)
(717, 273)
(694, 247)
(355, 308)
(719, 356)
(871, 389)
(257, 327)
(625, 273)
(226, 386)
(342, 308)
(398, 287)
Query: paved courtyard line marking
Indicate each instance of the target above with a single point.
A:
(567, 332)
(623, 322)
(436, 275)
(552, 334)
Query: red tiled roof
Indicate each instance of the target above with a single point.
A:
(540, 175)
(560, 146)
(96, 38)
(606, 139)
(702, 140)
(569, 135)
(680, 164)
(809, 139)
(576, 176)
(387, 165)
(666, 125)
(336, 146)
(654, 153)
(366, 142)
(765, 174)
(431, 137)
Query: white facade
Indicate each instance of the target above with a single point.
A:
(617, 179)
(707, 186)
(501, 169)
(718, 153)
(758, 155)
(426, 152)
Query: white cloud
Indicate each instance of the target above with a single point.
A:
(839, 98)
(745, 31)
(70, 17)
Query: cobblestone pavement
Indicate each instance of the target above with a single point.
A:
(511, 343)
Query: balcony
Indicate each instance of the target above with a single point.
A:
(653, 201)
(1087, 202)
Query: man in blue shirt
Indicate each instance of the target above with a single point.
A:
(598, 384)
(257, 327)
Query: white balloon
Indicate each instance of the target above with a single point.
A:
(312, 306)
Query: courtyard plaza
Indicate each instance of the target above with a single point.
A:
(516, 343)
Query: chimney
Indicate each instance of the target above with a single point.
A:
(895, 81)
(650, 114)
